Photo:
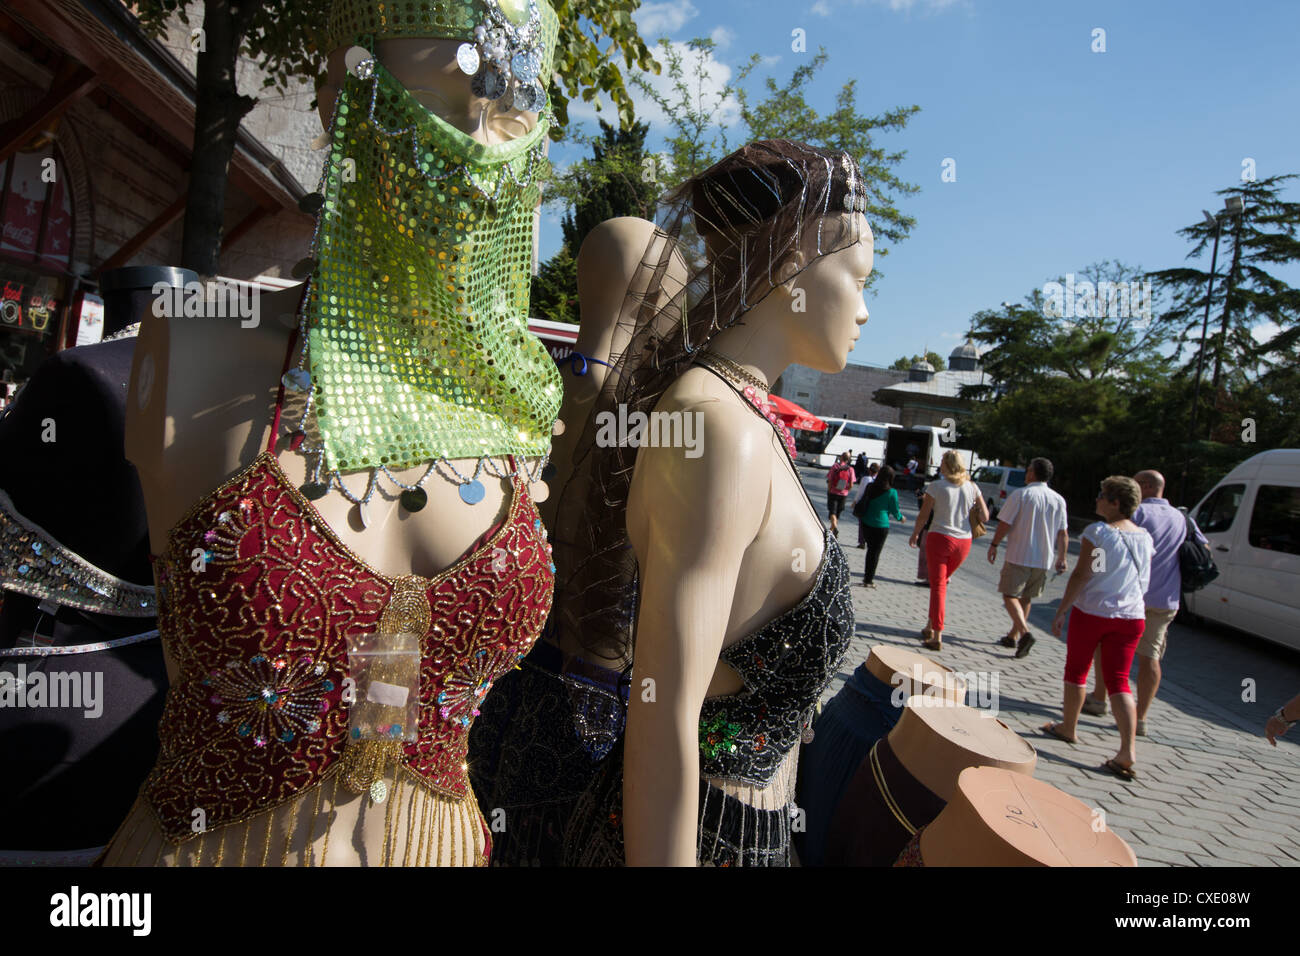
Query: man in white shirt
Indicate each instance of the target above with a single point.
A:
(1033, 519)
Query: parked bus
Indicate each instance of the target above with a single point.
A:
(842, 434)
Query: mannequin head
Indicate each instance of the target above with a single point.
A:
(427, 67)
(789, 250)
(510, 43)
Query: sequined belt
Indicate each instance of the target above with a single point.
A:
(58, 651)
(33, 562)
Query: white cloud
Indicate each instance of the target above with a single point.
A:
(654, 20)
(821, 8)
(770, 60)
(722, 36)
(709, 91)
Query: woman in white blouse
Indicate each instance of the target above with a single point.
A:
(950, 499)
(1104, 600)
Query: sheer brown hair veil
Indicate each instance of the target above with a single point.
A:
(735, 224)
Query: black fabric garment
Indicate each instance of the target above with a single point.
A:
(875, 545)
(69, 779)
(537, 745)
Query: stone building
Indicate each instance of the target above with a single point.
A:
(848, 394)
(96, 133)
(927, 397)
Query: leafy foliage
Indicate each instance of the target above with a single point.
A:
(934, 358)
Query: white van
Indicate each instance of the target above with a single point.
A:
(1252, 521)
(840, 435)
(996, 482)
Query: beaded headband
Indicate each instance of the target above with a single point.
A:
(508, 49)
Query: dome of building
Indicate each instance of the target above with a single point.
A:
(922, 366)
(964, 358)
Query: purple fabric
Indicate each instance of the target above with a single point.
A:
(1167, 528)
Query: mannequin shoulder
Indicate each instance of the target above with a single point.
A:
(728, 470)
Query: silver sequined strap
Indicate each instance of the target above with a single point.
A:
(32, 562)
(53, 651)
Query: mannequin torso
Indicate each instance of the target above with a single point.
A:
(200, 409)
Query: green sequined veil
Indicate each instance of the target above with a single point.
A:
(417, 346)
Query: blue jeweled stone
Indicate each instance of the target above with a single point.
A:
(36, 546)
(55, 559)
(23, 569)
(472, 492)
(297, 380)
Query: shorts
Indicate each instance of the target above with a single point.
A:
(835, 504)
(1152, 644)
(1018, 581)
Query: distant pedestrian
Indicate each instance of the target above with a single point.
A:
(865, 479)
(860, 464)
(878, 505)
(1104, 600)
(839, 482)
(1033, 520)
(1168, 528)
(950, 499)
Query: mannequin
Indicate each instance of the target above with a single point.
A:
(204, 399)
(85, 497)
(910, 775)
(727, 548)
(865, 709)
(996, 817)
(550, 724)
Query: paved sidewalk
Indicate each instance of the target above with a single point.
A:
(1211, 791)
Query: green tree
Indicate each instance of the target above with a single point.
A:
(1248, 293)
(696, 107)
(283, 37)
(617, 180)
(555, 288)
(934, 358)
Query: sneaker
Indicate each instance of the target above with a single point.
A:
(1095, 707)
(1026, 642)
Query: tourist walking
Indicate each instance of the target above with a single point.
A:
(867, 477)
(1104, 601)
(1168, 528)
(878, 505)
(839, 482)
(1033, 521)
(950, 499)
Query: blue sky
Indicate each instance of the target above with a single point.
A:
(1063, 156)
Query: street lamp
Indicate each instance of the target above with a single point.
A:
(1232, 207)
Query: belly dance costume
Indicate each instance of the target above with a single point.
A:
(749, 741)
(416, 350)
(255, 725)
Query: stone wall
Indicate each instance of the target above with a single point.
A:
(847, 394)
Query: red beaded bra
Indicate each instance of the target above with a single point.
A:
(259, 631)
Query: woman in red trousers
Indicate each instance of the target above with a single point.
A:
(949, 501)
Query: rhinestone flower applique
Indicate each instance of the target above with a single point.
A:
(718, 735)
(270, 699)
(465, 688)
(222, 540)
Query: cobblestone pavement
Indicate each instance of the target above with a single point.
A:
(1211, 791)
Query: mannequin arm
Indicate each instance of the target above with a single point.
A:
(691, 521)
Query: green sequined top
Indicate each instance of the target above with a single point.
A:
(417, 317)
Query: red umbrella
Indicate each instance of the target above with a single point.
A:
(794, 416)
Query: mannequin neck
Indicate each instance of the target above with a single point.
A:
(762, 352)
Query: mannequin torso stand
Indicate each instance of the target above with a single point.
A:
(908, 777)
(864, 710)
(997, 817)
(200, 407)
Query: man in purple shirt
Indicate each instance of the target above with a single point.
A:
(1167, 528)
